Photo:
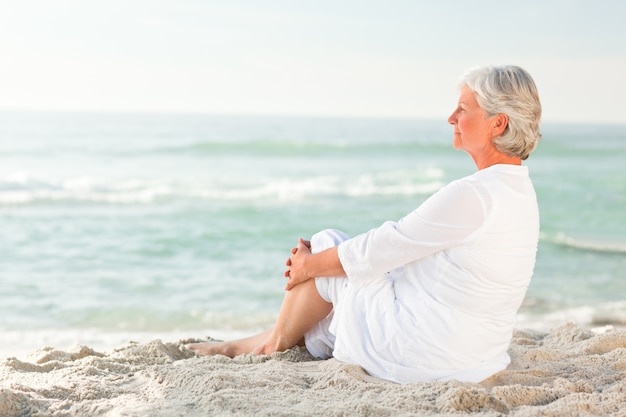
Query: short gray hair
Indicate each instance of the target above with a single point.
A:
(509, 90)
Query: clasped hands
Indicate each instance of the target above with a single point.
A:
(295, 272)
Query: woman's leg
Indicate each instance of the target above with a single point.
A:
(302, 308)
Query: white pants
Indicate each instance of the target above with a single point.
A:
(320, 340)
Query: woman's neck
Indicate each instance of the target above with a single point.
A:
(494, 157)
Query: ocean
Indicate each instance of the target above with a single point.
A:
(117, 227)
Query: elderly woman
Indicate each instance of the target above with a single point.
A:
(433, 296)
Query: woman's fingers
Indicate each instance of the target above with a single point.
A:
(303, 246)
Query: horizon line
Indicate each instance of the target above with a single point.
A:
(128, 112)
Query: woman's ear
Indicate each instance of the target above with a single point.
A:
(500, 122)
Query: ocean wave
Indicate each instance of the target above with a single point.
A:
(21, 188)
(564, 240)
(208, 148)
(601, 314)
(271, 147)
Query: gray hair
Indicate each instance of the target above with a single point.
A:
(512, 91)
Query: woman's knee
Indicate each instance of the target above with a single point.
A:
(327, 238)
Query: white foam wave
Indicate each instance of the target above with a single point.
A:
(22, 188)
(601, 314)
(584, 244)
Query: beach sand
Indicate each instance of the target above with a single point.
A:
(567, 371)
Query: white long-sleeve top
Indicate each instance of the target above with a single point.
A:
(434, 295)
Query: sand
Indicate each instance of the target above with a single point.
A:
(567, 371)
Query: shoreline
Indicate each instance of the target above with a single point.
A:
(569, 370)
(20, 343)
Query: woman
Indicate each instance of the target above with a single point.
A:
(434, 295)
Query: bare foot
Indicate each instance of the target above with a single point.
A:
(212, 348)
(257, 344)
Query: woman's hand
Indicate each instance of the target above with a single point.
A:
(295, 272)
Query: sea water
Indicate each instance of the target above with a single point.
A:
(118, 227)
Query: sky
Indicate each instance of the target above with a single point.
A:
(339, 58)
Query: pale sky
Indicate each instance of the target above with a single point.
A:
(385, 58)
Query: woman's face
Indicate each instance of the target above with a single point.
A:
(472, 126)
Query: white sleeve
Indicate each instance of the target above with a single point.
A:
(447, 218)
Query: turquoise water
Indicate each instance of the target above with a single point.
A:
(135, 226)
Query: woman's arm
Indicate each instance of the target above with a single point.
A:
(303, 265)
(446, 219)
